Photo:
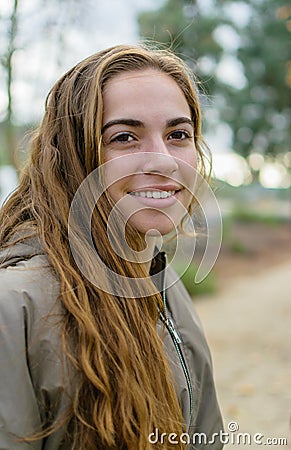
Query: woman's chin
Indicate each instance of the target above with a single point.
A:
(154, 228)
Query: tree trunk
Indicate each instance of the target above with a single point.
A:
(10, 129)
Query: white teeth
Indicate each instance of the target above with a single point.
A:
(165, 194)
(153, 194)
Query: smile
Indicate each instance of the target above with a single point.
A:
(153, 194)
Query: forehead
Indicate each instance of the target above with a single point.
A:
(148, 88)
(145, 76)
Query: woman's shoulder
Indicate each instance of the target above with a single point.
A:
(30, 310)
(30, 336)
(26, 278)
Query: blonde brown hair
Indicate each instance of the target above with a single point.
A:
(125, 387)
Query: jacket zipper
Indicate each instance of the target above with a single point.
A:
(177, 343)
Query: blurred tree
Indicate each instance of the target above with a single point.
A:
(7, 64)
(59, 18)
(182, 26)
(241, 52)
(50, 20)
(260, 113)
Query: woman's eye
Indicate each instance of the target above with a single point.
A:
(179, 135)
(123, 137)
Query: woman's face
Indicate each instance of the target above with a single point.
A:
(148, 142)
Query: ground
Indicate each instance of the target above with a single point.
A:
(251, 247)
(247, 323)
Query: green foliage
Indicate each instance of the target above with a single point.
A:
(207, 286)
(238, 247)
(258, 111)
(247, 215)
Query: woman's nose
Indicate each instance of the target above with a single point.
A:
(157, 159)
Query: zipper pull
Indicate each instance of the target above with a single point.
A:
(173, 330)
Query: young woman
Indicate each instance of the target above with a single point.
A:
(100, 348)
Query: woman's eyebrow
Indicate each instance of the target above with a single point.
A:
(139, 123)
(179, 120)
(130, 122)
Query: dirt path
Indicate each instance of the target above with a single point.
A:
(248, 326)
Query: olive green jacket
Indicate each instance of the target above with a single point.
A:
(33, 388)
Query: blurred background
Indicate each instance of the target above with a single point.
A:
(241, 54)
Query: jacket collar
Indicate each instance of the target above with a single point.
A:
(157, 270)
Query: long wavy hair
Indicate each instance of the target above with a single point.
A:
(125, 387)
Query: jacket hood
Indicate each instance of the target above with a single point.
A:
(21, 248)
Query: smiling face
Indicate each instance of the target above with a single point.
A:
(149, 145)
